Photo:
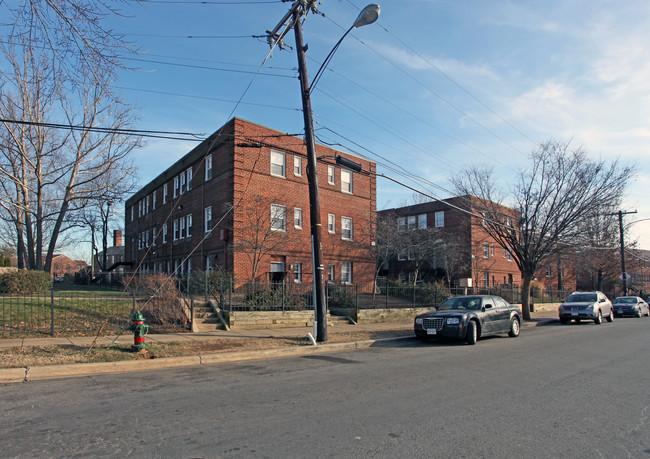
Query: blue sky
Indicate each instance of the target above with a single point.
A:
(432, 87)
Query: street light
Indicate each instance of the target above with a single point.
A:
(367, 16)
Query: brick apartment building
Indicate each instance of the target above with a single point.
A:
(240, 201)
(480, 261)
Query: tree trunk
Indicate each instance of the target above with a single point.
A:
(599, 285)
(525, 295)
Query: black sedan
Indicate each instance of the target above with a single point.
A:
(469, 318)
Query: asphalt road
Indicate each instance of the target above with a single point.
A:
(556, 391)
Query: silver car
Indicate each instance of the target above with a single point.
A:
(630, 306)
(586, 306)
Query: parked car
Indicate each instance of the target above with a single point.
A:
(586, 306)
(469, 318)
(630, 306)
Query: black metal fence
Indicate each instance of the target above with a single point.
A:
(84, 313)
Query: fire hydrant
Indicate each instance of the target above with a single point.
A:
(139, 329)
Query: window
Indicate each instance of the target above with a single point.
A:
(297, 272)
(491, 250)
(486, 279)
(278, 217)
(139, 208)
(330, 175)
(411, 254)
(401, 255)
(207, 218)
(277, 163)
(297, 166)
(330, 273)
(346, 228)
(277, 267)
(297, 218)
(148, 200)
(175, 235)
(153, 200)
(422, 221)
(486, 250)
(331, 223)
(164, 233)
(183, 182)
(509, 255)
(182, 228)
(504, 252)
(411, 222)
(346, 181)
(165, 193)
(401, 224)
(188, 224)
(439, 219)
(175, 187)
(548, 271)
(346, 272)
(188, 173)
(208, 168)
(132, 212)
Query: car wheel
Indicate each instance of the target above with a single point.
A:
(577, 321)
(599, 318)
(638, 314)
(472, 332)
(514, 328)
(610, 317)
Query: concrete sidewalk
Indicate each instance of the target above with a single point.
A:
(12, 375)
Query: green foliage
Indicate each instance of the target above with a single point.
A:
(25, 281)
(5, 261)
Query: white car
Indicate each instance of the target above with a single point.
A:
(586, 306)
(630, 306)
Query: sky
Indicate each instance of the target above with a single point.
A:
(434, 86)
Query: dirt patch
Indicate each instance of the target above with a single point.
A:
(19, 357)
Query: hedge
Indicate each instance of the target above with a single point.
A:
(24, 281)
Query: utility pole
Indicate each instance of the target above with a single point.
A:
(623, 271)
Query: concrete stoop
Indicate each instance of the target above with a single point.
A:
(206, 319)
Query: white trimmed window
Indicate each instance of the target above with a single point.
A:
(277, 163)
(346, 228)
(331, 223)
(297, 272)
(331, 271)
(411, 222)
(207, 218)
(182, 228)
(346, 181)
(297, 218)
(422, 221)
(188, 224)
(486, 250)
(439, 219)
(491, 250)
(401, 224)
(330, 175)
(176, 183)
(164, 233)
(208, 168)
(297, 166)
(183, 182)
(175, 235)
(153, 200)
(188, 173)
(278, 217)
(346, 272)
(165, 193)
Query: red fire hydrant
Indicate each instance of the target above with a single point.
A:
(139, 329)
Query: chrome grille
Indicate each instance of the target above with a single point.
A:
(434, 322)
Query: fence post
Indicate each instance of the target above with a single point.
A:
(191, 313)
(387, 289)
(52, 311)
(206, 286)
(283, 290)
(230, 297)
(357, 300)
(413, 295)
(133, 312)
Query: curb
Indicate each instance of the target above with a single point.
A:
(45, 372)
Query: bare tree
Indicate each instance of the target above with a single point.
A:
(262, 231)
(48, 174)
(552, 199)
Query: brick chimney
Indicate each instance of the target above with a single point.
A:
(117, 238)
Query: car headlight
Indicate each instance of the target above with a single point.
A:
(419, 320)
(453, 320)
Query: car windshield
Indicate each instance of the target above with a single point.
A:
(582, 298)
(461, 303)
(625, 300)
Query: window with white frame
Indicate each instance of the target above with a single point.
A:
(486, 279)
(188, 173)
(297, 166)
(278, 163)
(175, 228)
(504, 252)
(411, 253)
(132, 212)
(346, 228)
(176, 184)
(153, 200)
(346, 181)
(208, 168)
(330, 174)
(148, 200)
(346, 272)
(331, 223)
(207, 218)
(297, 272)
(165, 193)
(401, 255)
(182, 227)
(297, 218)
(278, 217)
(439, 218)
(422, 221)
(491, 250)
(486, 250)
(509, 255)
(164, 233)
(188, 224)
(140, 208)
(548, 271)
(331, 273)
(401, 224)
(183, 182)
(411, 222)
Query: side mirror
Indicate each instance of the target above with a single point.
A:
(487, 306)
